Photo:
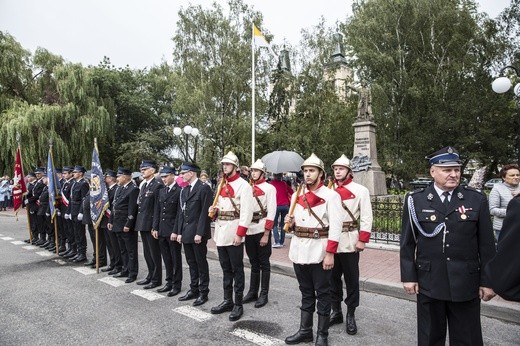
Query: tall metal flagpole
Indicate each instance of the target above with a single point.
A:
(96, 229)
(253, 92)
(53, 217)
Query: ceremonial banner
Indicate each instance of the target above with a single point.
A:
(54, 184)
(19, 187)
(98, 191)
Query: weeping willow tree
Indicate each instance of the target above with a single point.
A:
(71, 120)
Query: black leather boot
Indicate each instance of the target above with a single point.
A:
(351, 322)
(238, 310)
(262, 299)
(336, 314)
(226, 305)
(254, 283)
(304, 334)
(323, 331)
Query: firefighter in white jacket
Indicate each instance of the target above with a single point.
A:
(234, 211)
(258, 238)
(316, 224)
(357, 224)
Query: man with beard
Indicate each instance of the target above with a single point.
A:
(163, 230)
(193, 227)
(234, 210)
(316, 225)
(446, 241)
(143, 224)
(258, 238)
(122, 221)
(357, 224)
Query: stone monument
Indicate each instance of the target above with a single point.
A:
(365, 167)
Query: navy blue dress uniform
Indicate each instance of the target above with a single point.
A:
(32, 207)
(122, 222)
(78, 191)
(192, 221)
(44, 217)
(143, 224)
(165, 214)
(65, 212)
(86, 219)
(503, 270)
(445, 244)
(114, 251)
(32, 203)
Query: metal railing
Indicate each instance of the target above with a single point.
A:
(387, 211)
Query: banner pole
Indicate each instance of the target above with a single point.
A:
(97, 248)
(56, 235)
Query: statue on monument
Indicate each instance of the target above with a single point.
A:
(364, 112)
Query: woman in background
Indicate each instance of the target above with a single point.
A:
(502, 193)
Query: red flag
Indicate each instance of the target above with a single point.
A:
(19, 188)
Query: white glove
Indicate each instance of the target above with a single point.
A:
(47, 214)
(26, 201)
(67, 217)
(80, 217)
(59, 213)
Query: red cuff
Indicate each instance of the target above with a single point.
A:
(332, 246)
(364, 236)
(241, 231)
(269, 224)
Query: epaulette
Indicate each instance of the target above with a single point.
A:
(472, 189)
(419, 190)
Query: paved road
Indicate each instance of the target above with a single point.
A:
(48, 302)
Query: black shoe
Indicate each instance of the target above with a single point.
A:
(89, 263)
(336, 317)
(174, 292)
(189, 295)
(52, 249)
(262, 300)
(71, 255)
(225, 306)
(62, 253)
(114, 271)
(130, 279)
(80, 258)
(236, 313)
(121, 275)
(351, 324)
(165, 288)
(107, 269)
(62, 249)
(152, 285)
(200, 300)
(304, 334)
(27, 241)
(143, 282)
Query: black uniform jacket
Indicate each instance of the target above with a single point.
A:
(79, 189)
(43, 202)
(65, 195)
(193, 213)
(147, 198)
(85, 210)
(34, 195)
(166, 208)
(504, 268)
(124, 208)
(447, 266)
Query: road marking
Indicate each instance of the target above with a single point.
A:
(84, 271)
(192, 312)
(30, 247)
(45, 253)
(60, 261)
(18, 242)
(151, 296)
(7, 238)
(256, 338)
(112, 281)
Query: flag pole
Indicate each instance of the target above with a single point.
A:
(53, 216)
(26, 206)
(253, 92)
(96, 228)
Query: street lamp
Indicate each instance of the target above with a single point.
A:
(188, 130)
(502, 85)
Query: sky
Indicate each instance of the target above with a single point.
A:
(138, 32)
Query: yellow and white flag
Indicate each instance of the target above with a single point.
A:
(259, 39)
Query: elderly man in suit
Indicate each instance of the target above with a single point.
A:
(149, 190)
(446, 240)
(193, 228)
(165, 214)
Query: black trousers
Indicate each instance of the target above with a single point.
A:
(172, 258)
(231, 260)
(152, 256)
(258, 255)
(102, 244)
(41, 225)
(196, 257)
(80, 237)
(69, 233)
(463, 320)
(33, 218)
(314, 284)
(346, 264)
(116, 257)
(61, 230)
(128, 245)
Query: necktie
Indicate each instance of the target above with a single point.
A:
(141, 194)
(446, 202)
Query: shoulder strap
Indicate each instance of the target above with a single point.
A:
(226, 190)
(311, 211)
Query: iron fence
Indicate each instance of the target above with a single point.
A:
(387, 211)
